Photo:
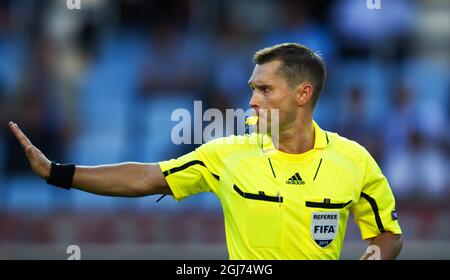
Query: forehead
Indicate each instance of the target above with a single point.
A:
(263, 72)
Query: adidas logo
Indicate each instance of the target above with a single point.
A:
(295, 180)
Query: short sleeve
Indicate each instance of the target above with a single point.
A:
(375, 211)
(191, 173)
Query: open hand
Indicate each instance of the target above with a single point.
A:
(39, 163)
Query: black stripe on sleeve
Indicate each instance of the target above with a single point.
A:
(374, 206)
(186, 165)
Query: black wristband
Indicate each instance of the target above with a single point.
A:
(61, 175)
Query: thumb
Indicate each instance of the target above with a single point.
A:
(29, 151)
(38, 162)
(33, 155)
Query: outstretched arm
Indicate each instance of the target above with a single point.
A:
(386, 246)
(130, 179)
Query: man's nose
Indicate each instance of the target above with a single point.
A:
(254, 104)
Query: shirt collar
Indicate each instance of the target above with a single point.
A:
(321, 137)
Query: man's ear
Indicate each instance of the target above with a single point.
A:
(304, 93)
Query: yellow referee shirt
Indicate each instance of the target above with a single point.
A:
(287, 206)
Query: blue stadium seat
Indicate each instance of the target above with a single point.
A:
(2, 156)
(105, 103)
(428, 82)
(11, 63)
(97, 148)
(374, 78)
(83, 201)
(28, 193)
(158, 126)
(109, 85)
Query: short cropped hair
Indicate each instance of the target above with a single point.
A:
(299, 64)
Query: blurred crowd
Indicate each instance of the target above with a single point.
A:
(98, 85)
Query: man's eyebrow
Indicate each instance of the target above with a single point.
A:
(256, 85)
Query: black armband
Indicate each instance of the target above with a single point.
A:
(61, 175)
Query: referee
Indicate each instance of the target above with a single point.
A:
(286, 201)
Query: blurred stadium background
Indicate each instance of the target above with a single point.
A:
(98, 85)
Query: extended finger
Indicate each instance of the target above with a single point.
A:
(23, 139)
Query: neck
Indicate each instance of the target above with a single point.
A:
(297, 137)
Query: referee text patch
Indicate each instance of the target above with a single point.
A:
(324, 226)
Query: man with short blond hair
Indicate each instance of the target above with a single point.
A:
(291, 200)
